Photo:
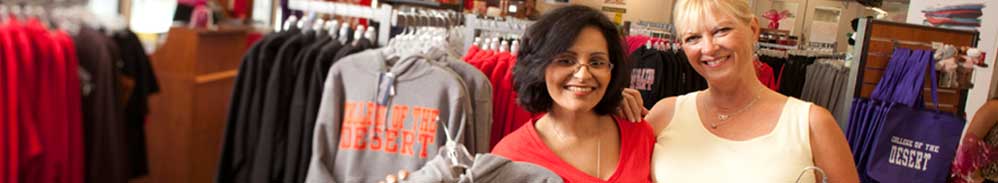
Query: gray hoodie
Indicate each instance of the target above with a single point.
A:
(358, 140)
(480, 89)
(485, 168)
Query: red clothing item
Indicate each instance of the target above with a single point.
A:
(239, 8)
(500, 116)
(956, 13)
(519, 114)
(62, 97)
(484, 56)
(488, 63)
(949, 21)
(765, 75)
(30, 146)
(634, 165)
(471, 53)
(6, 58)
(74, 110)
(21, 142)
(44, 167)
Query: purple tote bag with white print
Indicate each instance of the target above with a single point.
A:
(915, 144)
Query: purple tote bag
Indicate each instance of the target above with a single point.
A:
(915, 144)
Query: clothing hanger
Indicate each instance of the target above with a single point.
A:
(344, 30)
(317, 26)
(503, 46)
(303, 23)
(486, 43)
(457, 154)
(4, 12)
(290, 22)
(495, 43)
(358, 33)
(515, 47)
(17, 12)
(332, 26)
(370, 34)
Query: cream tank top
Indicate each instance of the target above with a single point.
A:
(686, 152)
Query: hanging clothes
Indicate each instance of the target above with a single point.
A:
(22, 143)
(765, 75)
(139, 81)
(282, 96)
(825, 85)
(374, 109)
(274, 106)
(793, 75)
(296, 122)
(648, 69)
(506, 115)
(62, 109)
(480, 89)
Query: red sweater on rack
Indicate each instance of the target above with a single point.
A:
(500, 115)
(74, 111)
(7, 117)
(22, 143)
(53, 138)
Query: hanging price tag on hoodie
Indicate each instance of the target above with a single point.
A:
(386, 88)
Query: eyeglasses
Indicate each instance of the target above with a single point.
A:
(574, 66)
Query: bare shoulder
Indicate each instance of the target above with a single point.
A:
(829, 146)
(991, 105)
(821, 120)
(660, 114)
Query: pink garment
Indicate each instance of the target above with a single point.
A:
(635, 42)
(201, 17)
(192, 2)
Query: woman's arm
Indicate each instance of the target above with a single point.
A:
(981, 124)
(661, 114)
(632, 107)
(829, 147)
(984, 119)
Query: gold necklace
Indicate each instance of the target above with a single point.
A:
(722, 118)
(599, 148)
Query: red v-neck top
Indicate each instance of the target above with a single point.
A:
(634, 165)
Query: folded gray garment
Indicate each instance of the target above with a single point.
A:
(486, 168)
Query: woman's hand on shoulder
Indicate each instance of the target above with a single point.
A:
(632, 106)
(829, 147)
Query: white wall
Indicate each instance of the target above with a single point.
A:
(805, 16)
(104, 8)
(983, 77)
(850, 10)
(152, 16)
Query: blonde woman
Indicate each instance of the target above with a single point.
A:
(737, 130)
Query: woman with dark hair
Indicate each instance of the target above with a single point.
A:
(572, 70)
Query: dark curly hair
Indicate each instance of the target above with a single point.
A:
(555, 33)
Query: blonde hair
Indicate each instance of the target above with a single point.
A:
(690, 13)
